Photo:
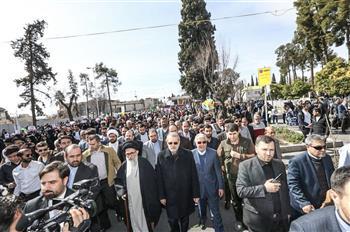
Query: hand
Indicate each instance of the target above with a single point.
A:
(163, 202)
(78, 216)
(221, 192)
(272, 187)
(235, 154)
(124, 197)
(308, 208)
(196, 200)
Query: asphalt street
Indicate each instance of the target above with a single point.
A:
(227, 217)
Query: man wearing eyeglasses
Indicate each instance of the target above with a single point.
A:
(210, 181)
(177, 180)
(26, 176)
(309, 176)
(138, 178)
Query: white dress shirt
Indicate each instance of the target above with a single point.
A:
(27, 179)
(98, 158)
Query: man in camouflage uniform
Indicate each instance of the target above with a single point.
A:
(232, 151)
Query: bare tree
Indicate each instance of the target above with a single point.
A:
(223, 81)
(226, 84)
(206, 62)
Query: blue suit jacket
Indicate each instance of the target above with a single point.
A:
(304, 188)
(210, 178)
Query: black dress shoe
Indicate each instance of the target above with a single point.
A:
(203, 227)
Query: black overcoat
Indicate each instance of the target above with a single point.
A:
(177, 182)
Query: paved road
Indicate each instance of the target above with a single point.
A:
(227, 217)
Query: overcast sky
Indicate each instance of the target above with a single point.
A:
(146, 60)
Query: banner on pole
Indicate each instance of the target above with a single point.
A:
(264, 76)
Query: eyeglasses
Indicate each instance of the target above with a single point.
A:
(200, 142)
(171, 143)
(41, 150)
(319, 148)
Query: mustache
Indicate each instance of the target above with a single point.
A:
(48, 192)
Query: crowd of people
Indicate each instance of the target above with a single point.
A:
(179, 161)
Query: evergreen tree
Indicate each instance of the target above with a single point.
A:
(251, 80)
(256, 81)
(273, 79)
(72, 95)
(87, 90)
(198, 57)
(334, 17)
(39, 74)
(309, 28)
(109, 78)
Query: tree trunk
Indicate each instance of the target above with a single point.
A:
(348, 43)
(289, 77)
(302, 74)
(70, 114)
(312, 74)
(294, 72)
(109, 97)
(32, 101)
(325, 48)
(31, 77)
(87, 98)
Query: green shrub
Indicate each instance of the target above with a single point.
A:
(283, 133)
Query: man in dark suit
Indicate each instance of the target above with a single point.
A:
(63, 141)
(266, 201)
(6, 177)
(178, 185)
(212, 141)
(53, 180)
(309, 176)
(330, 218)
(186, 132)
(211, 182)
(184, 142)
(80, 170)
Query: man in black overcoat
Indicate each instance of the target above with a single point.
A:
(178, 184)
